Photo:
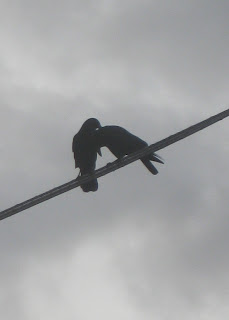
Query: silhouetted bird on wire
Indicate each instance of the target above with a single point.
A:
(85, 151)
(121, 142)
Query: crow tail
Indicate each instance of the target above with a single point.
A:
(90, 186)
(155, 157)
(149, 166)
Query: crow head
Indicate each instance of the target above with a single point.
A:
(90, 125)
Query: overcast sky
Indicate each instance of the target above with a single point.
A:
(142, 246)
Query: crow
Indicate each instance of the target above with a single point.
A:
(121, 142)
(85, 152)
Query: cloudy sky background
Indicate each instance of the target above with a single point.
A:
(142, 247)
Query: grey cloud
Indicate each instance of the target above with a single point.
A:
(186, 43)
(154, 69)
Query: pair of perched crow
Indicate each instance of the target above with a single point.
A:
(92, 137)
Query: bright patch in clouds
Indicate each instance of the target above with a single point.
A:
(85, 285)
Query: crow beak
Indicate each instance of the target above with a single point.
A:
(99, 152)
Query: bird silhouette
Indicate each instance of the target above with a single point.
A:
(121, 142)
(85, 151)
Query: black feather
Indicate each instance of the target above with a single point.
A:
(121, 142)
(85, 152)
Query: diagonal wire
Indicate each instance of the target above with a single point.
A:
(113, 166)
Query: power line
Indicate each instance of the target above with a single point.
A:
(113, 166)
